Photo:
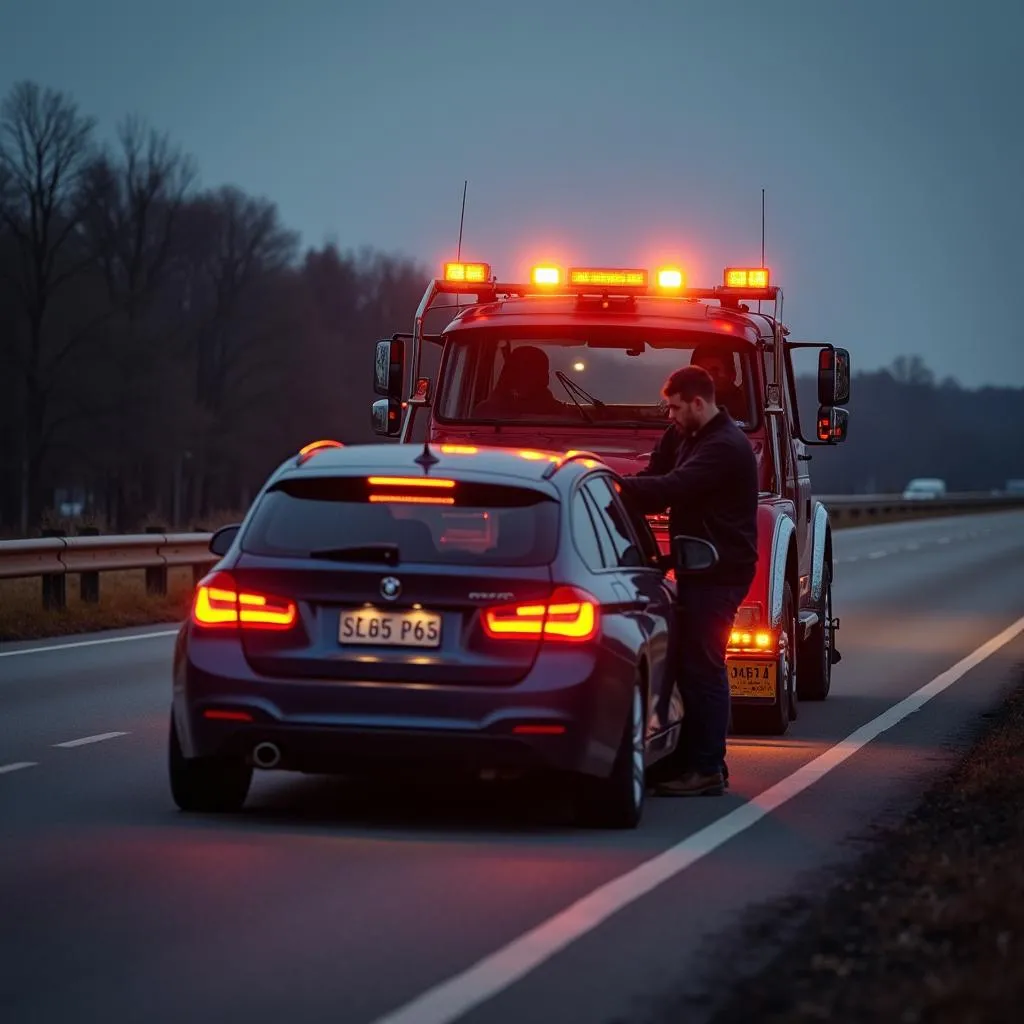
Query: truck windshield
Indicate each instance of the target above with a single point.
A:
(605, 381)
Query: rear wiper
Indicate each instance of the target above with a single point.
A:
(386, 553)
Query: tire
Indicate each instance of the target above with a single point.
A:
(618, 800)
(206, 784)
(775, 720)
(815, 679)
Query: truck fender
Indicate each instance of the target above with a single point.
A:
(782, 543)
(821, 553)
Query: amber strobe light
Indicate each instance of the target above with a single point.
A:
(746, 277)
(467, 273)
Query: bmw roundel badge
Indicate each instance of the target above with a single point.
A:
(390, 588)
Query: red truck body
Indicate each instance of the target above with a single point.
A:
(623, 336)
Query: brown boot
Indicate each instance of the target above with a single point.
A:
(693, 784)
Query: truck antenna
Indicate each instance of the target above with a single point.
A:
(462, 221)
(762, 242)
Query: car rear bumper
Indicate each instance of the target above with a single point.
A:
(564, 717)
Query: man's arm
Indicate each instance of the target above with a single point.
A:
(692, 481)
(663, 457)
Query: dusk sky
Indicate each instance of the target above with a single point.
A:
(887, 135)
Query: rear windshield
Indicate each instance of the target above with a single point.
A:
(477, 524)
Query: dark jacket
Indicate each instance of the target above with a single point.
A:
(708, 481)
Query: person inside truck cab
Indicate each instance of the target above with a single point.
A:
(523, 388)
(719, 363)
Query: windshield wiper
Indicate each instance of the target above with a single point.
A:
(570, 389)
(386, 553)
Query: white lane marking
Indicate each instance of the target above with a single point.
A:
(90, 739)
(16, 766)
(87, 643)
(878, 554)
(912, 547)
(453, 998)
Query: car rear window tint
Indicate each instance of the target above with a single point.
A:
(484, 524)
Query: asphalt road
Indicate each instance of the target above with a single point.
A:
(320, 903)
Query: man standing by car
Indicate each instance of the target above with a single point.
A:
(705, 472)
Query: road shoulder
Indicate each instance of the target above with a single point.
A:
(928, 924)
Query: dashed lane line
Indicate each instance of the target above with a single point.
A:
(75, 645)
(16, 766)
(85, 740)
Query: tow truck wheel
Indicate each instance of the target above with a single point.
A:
(816, 655)
(206, 784)
(618, 800)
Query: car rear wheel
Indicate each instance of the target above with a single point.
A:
(210, 784)
(618, 800)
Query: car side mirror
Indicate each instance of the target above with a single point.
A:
(386, 417)
(833, 376)
(833, 425)
(389, 368)
(693, 554)
(222, 539)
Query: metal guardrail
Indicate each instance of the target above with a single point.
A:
(872, 509)
(53, 559)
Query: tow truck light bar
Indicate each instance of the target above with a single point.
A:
(548, 279)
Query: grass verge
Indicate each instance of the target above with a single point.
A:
(123, 602)
(930, 926)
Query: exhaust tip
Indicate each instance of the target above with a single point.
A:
(266, 755)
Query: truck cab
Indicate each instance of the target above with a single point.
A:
(574, 360)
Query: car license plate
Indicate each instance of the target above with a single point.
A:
(367, 627)
(752, 678)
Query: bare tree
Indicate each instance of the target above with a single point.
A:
(134, 198)
(45, 146)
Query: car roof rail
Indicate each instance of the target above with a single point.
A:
(571, 456)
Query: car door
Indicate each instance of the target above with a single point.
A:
(632, 550)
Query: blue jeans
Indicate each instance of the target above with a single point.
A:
(706, 613)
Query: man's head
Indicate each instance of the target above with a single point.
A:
(718, 362)
(526, 370)
(691, 398)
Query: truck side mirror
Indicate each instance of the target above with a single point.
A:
(833, 425)
(389, 368)
(833, 376)
(386, 416)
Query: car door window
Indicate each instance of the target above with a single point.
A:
(584, 534)
(614, 525)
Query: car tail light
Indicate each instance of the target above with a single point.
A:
(569, 614)
(219, 602)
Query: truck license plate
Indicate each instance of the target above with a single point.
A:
(752, 678)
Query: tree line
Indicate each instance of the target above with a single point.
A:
(906, 423)
(164, 345)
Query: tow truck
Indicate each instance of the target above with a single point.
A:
(605, 339)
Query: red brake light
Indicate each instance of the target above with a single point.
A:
(218, 602)
(569, 614)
